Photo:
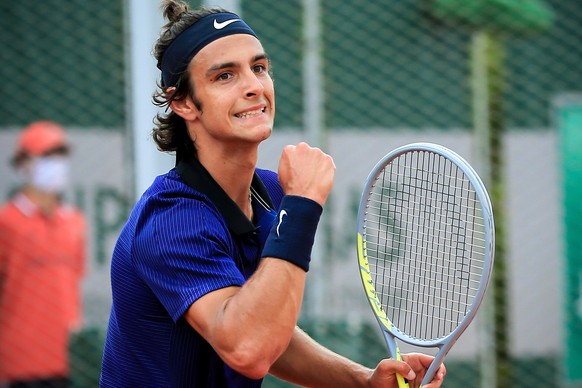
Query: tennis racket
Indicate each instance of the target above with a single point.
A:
(425, 247)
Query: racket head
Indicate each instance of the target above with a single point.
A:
(415, 180)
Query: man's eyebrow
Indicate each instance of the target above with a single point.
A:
(220, 66)
(228, 65)
(260, 57)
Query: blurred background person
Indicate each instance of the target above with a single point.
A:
(42, 260)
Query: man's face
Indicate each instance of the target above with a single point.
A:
(232, 82)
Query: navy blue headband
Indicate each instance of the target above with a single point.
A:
(189, 42)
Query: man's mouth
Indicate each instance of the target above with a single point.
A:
(251, 113)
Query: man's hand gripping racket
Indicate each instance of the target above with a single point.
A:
(426, 243)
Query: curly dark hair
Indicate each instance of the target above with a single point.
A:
(170, 132)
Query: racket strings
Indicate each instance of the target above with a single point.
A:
(425, 243)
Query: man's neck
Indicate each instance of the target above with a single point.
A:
(46, 202)
(233, 171)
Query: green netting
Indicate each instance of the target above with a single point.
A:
(504, 16)
(64, 61)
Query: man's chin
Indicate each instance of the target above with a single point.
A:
(268, 133)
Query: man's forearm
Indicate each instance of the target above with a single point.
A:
(309, 364)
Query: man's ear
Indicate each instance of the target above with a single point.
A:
(185, 108)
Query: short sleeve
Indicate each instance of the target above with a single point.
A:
(183, 250)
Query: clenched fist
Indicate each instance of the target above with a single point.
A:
(307, 172)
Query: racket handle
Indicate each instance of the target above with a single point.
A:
(394, 351)
(402, 382)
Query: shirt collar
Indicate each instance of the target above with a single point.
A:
(197, 177)
(31, 209)
(25, 205)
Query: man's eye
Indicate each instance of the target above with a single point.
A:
(224, 76)
(259, 68)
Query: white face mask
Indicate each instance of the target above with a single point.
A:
(50, 173)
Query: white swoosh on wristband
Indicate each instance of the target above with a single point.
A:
(281, 215)
(220, 25)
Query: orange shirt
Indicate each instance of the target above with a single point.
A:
(41, 265)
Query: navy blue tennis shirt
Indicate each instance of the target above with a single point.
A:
(184, 238)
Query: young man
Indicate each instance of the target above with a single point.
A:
(42, 260)
(209, 272)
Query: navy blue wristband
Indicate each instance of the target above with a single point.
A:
(293, 234)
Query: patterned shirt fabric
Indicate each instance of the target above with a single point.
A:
(184, 238)
(41, 266)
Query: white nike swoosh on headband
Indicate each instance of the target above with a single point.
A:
(219, 25)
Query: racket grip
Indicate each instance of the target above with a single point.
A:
(402, 382)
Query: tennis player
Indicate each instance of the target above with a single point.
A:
(209, 271)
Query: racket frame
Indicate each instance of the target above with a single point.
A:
(389, 330)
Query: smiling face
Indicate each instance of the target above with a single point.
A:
(231, 82)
